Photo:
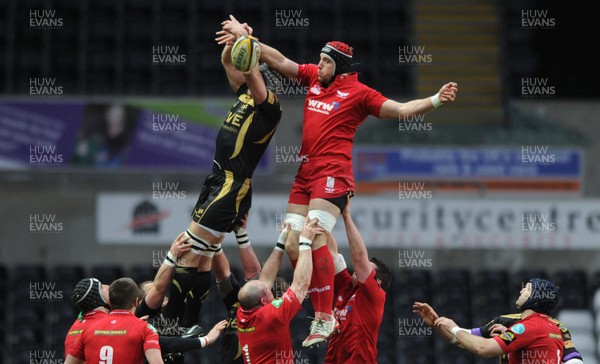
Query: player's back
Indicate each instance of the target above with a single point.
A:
(263, 337)
(246, 133)
(120, 336)
(545, 344)
(80, 324)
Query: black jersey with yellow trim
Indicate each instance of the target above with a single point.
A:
(246, 133)
(231, 351)
(508, 320)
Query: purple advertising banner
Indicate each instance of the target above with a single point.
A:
(164, 140)
(38, 136)
(63, 134)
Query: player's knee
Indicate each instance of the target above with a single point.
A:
(295, 220)
(326, 220)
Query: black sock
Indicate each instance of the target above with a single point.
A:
(194, 299)
(183, 281)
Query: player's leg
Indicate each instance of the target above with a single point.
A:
(297, 209)
(200, 290)
(211, 217)
(321, 287)
(295, 216)
(187, 281)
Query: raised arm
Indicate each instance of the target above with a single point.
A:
(235, 77)
(487, 348)
(233, 30)
(250, 263)
(155, 296)
(277, 61)
(358, 250)
(429, 317)
(304, 266)
(273, 264)
(394, 110)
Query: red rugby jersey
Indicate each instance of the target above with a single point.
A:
(264, 333)
(534, 339)
(87, 319)
(332, 115)
(119, 337)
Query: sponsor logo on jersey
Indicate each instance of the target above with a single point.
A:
(330, 185)
(322, 107)
(507, 337)
(518, 329)
(277, 303)
(341, 94)
(315, 89)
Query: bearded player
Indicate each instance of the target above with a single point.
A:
(336, 104)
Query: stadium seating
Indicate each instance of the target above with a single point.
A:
(104, 47)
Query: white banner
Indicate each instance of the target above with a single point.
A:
(383, 222)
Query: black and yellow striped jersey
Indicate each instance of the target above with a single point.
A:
(246, 133)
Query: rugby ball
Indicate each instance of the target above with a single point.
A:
(245, 53)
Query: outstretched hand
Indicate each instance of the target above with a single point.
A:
(445, 323)
(214, 333)
(232, 27)
(497, 329)
(448, 92)
(224, 37)
(180, 245)
(425, 312)
(311, 229)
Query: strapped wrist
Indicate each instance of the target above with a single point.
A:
(435, 100)
(170, 260)
(280, 247)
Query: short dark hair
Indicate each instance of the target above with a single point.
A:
(122, 294)
(383, 273)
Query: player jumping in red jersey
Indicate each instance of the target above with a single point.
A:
(336, 104)
(534, 338)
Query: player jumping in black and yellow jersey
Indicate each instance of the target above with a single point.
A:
(227, 193)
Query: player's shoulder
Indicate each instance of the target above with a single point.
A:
(511, 316)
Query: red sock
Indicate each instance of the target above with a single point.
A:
(321, 283)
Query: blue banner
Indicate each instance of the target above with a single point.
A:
(483, 163)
